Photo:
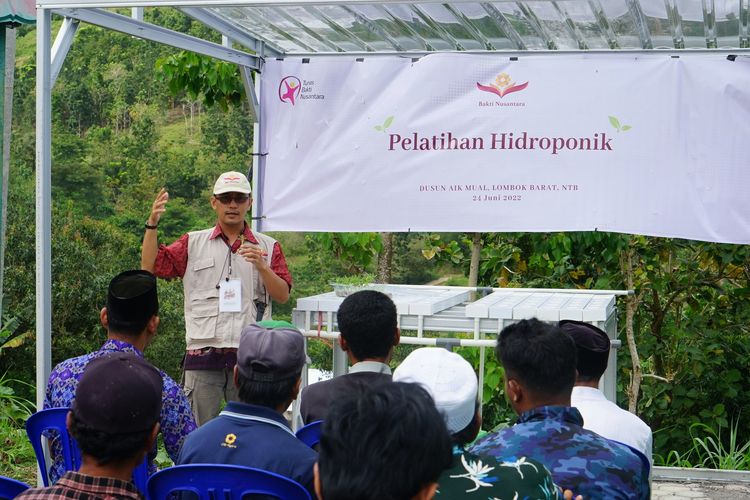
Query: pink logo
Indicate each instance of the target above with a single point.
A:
(502, 86)
(289, 89)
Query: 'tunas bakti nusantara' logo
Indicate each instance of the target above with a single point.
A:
(502, 86)
(289, 89)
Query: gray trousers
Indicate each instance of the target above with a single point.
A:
(207, 389)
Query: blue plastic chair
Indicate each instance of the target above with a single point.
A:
(223, 482)
(50, 423)
(10, 488)
(310, 434)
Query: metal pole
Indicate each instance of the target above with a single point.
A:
(6, 64)
(43, 203)
(255, 224)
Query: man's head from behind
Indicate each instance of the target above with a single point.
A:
(540, 364)
(368, 325)
(115, 413)
(387, 443)
(270, 358)
(132, 303)
(592, 346)
(451, 382)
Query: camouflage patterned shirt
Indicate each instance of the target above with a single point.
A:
(580, 460)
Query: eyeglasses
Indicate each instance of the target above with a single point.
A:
(227, 198)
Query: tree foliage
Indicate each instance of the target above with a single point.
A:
(217, 82)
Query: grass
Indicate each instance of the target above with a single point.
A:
(174, 135)
(709, 449)
(17, 458)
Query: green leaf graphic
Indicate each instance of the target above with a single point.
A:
(615, 122)
(387, 122)
(378, 128)
(626, 127)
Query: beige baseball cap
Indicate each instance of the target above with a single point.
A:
(232, 182)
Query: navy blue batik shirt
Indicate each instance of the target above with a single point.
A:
(580, 460)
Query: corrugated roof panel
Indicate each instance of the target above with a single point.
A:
(262, 29)
(392, 28)
(529, 33)
(17, 11)
(553, 24)
(312, 26)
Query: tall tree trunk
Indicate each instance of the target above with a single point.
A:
(631, 305)
(476, 252)
(385, 259)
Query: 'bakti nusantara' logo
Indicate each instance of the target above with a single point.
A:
(502, 86)
(289, 89)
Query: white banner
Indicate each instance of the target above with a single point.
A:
(652, 144)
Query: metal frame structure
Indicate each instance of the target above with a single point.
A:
(362, 28)
(316, 318)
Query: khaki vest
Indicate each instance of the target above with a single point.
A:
(208, 264)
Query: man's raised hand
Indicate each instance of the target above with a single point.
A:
(159, 207)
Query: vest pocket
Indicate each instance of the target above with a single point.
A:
(203, 264)
(204, 311)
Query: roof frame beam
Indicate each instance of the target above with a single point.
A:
(252, 96)
(138, 29)
(60, 4)
(527, 53)
(63, 42)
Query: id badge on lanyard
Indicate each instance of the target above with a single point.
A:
(230, 296)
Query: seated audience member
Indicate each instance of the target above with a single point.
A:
(131, 320)
(600, 414)
(386, 443)
(452, 383)
(367, 322)
(539, 362)
(253, 432)
(115, 420)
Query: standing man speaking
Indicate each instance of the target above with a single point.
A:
(229, 274)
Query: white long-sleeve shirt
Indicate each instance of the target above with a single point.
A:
(609, 420)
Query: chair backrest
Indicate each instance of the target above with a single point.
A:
(50, 423)
(310, 434)
(223, 482)
(10, 488)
